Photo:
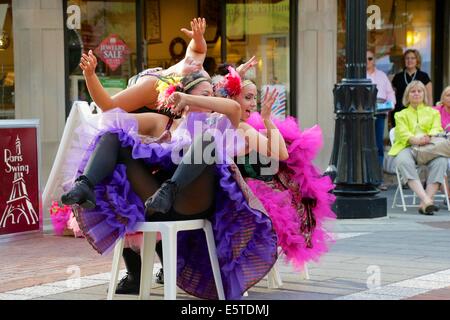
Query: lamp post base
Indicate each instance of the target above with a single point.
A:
(360, 207)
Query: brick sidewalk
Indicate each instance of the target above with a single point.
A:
(410, 252)
(40, 259)
(439, 294)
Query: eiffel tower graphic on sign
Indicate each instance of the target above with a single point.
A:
(19, 204)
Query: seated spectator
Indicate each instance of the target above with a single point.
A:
(443, 106)
(415, 125)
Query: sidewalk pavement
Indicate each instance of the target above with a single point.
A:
(403, 256)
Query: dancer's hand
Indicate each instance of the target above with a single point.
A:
(267, 103)
(88, 63)
(178, 102)
(198, 26)
(243, 68)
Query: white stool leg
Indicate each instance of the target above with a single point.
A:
(305, 273)
(147, 258)
(213, 258)
(115, 269)
(273, 278)
(169, 242)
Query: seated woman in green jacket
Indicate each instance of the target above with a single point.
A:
(415, 125)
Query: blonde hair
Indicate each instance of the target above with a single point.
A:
(417, 54)
(412, 85)
(247, 82)
(446, 90)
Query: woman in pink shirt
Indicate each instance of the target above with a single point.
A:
(444, 109)
(385, 94)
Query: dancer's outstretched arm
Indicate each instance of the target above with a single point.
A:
(197, 47)
(243, 68)
(228, 107)
(196, 51)
(130, 99)
(272, 145)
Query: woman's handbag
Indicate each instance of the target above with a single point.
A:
(438, 147)
(383, 107)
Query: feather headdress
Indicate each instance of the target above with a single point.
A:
(230, 85)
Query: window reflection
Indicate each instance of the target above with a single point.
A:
(405, 24)
(261, 28)
(253, 27)
(108, 28)
(174, 15)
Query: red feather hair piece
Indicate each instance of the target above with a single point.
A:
(232, 82)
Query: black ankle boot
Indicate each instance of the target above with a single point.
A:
(82, 193)
(160, 276)
(160, 273)
(129, 284)
(162, 200)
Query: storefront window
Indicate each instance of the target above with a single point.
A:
(108, 28)
(6, 61)
(253, 27)
(165, 43)
(405, 24)
(261, 29)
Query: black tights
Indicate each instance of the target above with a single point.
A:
(195, 197)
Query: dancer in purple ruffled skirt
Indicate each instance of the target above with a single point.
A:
(121, 169)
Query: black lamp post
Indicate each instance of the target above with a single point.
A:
(354, 158)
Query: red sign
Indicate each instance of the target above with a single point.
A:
(19, 181)
(112, 51)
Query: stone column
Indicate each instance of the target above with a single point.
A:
(39, 72)
(317, 36)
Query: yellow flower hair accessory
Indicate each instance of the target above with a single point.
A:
(166, 86)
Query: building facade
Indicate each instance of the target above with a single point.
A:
(299, 44)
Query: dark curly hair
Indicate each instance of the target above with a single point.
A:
(223, 68)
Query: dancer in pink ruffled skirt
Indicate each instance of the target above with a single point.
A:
(297, 197)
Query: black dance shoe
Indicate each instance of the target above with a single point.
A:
(160, 276)
(162, 200)
(82, 193)
(128, 285)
